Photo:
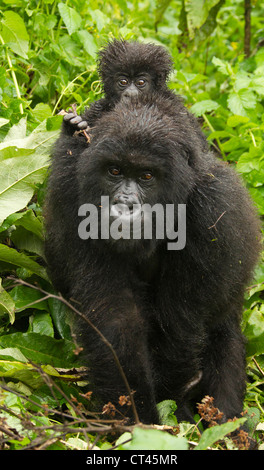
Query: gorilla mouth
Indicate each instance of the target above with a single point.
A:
(126, 212)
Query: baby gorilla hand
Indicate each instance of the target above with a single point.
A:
(77, 122)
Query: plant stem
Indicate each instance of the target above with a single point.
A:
(13, 76)
(247, 28)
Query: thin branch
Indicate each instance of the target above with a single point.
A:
(103, 338)
(220, 217)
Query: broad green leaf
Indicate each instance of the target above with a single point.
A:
(242, 81)
(214, 434)
(41, 111)
(254, 332)
(205, 106)
(253, 418)
(40, 139)
(14, 33)
(21, 371)
(223, 66)
(31, 223)
(41, 349)
(17, 181)
(41, 323)
(12, 354)
(26, 219)
(3, 121)
(7, 304)
(257, 84)
(61, 315)
(234, 121)
(197, 13)
(12, 256)
(27, 297)
(88, 42)
(71, 18)
(240, 102)
(18, 131)
(25, 372)
(154, 439)
(100, 19)
(258, 197)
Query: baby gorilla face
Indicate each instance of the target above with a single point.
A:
(127, 86)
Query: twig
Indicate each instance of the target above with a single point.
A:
(213, 226)
(258, 366)
(103, 338)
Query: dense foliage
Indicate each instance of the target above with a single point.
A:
(48, 62)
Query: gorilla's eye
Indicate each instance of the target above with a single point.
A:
(114, 171)
(146, 176)
(123, 82)
(141, 82)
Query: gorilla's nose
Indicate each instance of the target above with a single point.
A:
(127, 200)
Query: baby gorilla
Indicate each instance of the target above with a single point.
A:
(127, 69)
(172, 315)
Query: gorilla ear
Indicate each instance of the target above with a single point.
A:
(191, 158)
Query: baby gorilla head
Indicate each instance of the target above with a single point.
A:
(129, 69)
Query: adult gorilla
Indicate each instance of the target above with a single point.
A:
(173, 316)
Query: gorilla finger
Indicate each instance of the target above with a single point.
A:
(82, 125)
(68, 116)
(76, 120)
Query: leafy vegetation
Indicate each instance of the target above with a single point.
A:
(48, 62)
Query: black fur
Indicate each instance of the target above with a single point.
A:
(172, 316)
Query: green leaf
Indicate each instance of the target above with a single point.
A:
(20, 371)
(257, 84)
(13, 354)
(19, 176)
(41, 323)
(252, 415)
(3, 121)
(26, 297)
(154, 439)
(71, 18)
(166, 410)
(41, 111)
(41, 349)
(88, 42)
(202, 107)
(239, 102)
(197, 13)
(7, 304)
(234, 121)
(10, 255)
(223, 66)
(254, 332)
(26, 219)
(216, 433)
(14, 33)
(40, 139)
(60, 316)
(100, 19)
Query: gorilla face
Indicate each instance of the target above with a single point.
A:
(127, 192)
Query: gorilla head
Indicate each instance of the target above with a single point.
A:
(135, 163)
(130, 69)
